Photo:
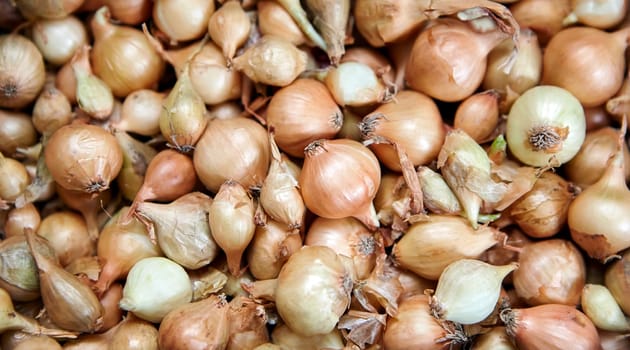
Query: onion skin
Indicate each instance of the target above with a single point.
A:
(16, 130)
(83, 157)
(550, 327)
(22, 75)
(617, 280)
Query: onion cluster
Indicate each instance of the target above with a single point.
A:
(317, 174)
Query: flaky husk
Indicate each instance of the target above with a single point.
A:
(182, 229)
(200, 325)
(247, 324)
(70, 304)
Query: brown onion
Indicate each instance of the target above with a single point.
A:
(591, 161)
(182, 23)
(588, 62)
(348, 237)
(313, 290)
(20, 218)
(551, 272)
(13, 178)
(66, 83)
(550, 327)
(112, 314)
(272, 245)
(247, 324)
(542, 16)
(67, 234)
(478, 115)
(129, 11)
(140, 112)
(134, 333)
(47, 9)
(340, 178)
(301, 113)
(236, 149)
(83, 157)
(89, 205)
(51, 111)
(22, 75)
(458, 55)
(598, 14)
(16, 130)
(229, 27)
(273, 19)
(617, 280)
(123, 57)
(413, 121)
(59, 38)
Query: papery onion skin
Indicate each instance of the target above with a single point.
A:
(542, 16)
(236, 149)
(270, 248)
(22, 75)
(313, 290)
(546, 126)
(355, 175)
(413, 121)
(550, 327)
(617, 280)
(83, 157)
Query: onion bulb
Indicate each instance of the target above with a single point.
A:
(273, 19)
(468, 290)
(601, 307)
(598, 14)
(301, 113)
(546, 126)
(154, 287)
(543, 17)
(607, 200)
(93, 95)
(236, 149)
(140, 112)
(458, 55)
(617, 280)
(18, 275)
(271, 247)
(51, 111)
(284, 338)
(58, 39)
(182, 23)
(16, 130)
(313, 290)
(357, 84)
(413, 121)
(340, 178)
(19, 218)
(587, 62)
(67, 234)
(550, 327)
(13, 178)
(47, 9)
(229, 28)
(122, 56)
(131, 12)
(22, 75)
(83, 157)
(331, 19)
(551, 271)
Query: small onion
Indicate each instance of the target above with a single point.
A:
(598, 14)
(542, 16)
(546, 126)
(16, 130)
(270, 248)
(617, 280)
(357, 84)
(602, 308)
(47, 9)
(229, 28)
(140, 112)
(340, 178)
(51, 111)
(58, 39)
(313, 290)
(273, 19)
(478, 115)
(20, 218)
(22, 75)
(182, 23)
(13, 178)
(131, 12)
(67, 234)
(83, 157)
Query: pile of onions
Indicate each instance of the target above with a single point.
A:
(288, 174)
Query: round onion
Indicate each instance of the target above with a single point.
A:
(22, 75)
(58, 39)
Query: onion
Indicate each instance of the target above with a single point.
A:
(294, 8)
(51, 111)
(134, 333)
(591, 161)
(247, 324)
(348, 237)
(279, 196)
(231, 217)
(600, 306)
(69, 303)
(542, 16)
(313, 290)
(273, 61)
(20, 218)
(608, 200)
(16, 130)
(236, 149)
(182, 23)
(597, 117)
(478, 115)
(302, 112)
(551, 327)
(587, 62)
(428, 247)
(546, 126)
(199, 325)
(47, 9)
(66, 83)
(617, 280)
(413, 121)
(273, 19)
(340, 178)
(13, 178)
(129, 11)
(458, 55)
(331, 19)
(155, 286)
(271, 247)
(140, 112)
(112, 314)
(136, 159)
(357, 84)
(551, 272)
(413, 327)
(67, 234)
(598, 14)
(22, 75)
(468, 290)
(83, 157)
(119, 247)
(93, 95)
(123, 57)
(229, 28)
(542, 212)
(169, 175)
(58, 39)
(372, 58)
(182, 229)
